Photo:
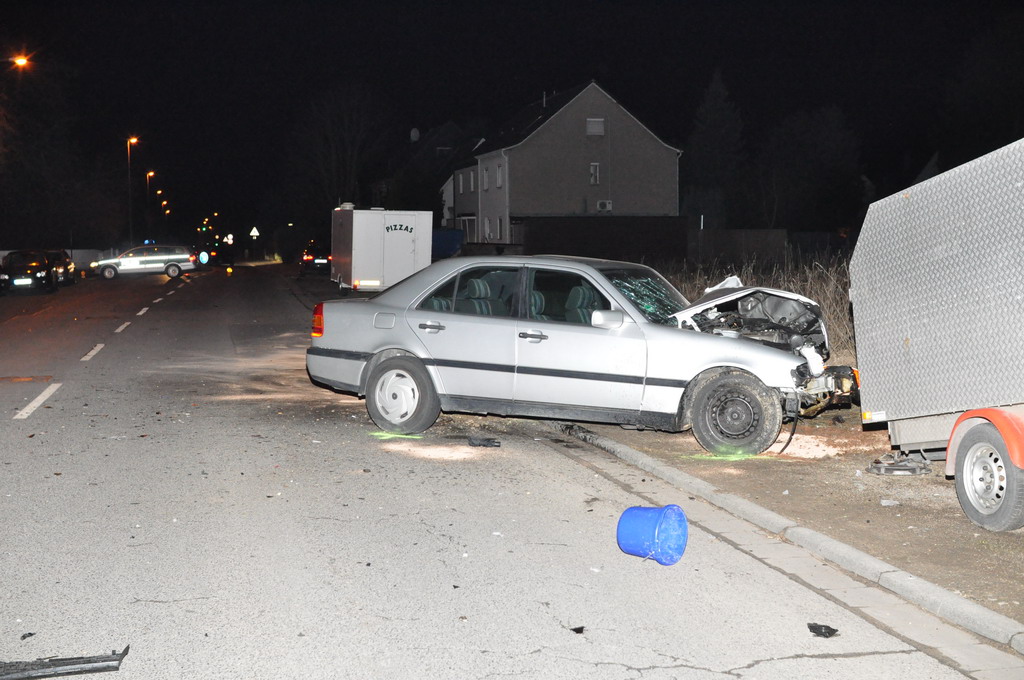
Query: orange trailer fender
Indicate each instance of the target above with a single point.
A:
(1010, 426)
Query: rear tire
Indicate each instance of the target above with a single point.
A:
(734, 413)
(108, 273)
(173, 270)
(989, 486)
(400, 396)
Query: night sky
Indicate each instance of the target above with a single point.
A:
(213, 89)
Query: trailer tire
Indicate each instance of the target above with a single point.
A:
(735, 413)
(989, 486)
(400, 396)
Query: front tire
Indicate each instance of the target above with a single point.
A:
(108, 273)
(989, 486)
(400, 396)
(173, 270)
(735, 413)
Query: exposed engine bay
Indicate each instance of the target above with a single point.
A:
(773, 317)
(779, 319)
(770, 319)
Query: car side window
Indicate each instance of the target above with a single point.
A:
(441, 299)
(481, 291)
(562, 296)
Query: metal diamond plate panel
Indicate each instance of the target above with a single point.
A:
(937, 286)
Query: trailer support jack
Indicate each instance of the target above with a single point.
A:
(900, 463)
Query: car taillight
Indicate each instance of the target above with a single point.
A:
(318, 320)
(191, 258)
(307, 258)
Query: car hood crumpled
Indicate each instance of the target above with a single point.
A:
(776, 318)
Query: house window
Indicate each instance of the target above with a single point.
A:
(497, 178)
(498, 235)
(485, 180)
(472, 181)
(461, 177)
(487, 228)
(595, 127)
(595, 173)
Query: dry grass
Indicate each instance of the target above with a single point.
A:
(823, 278)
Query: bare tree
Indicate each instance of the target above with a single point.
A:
(335, 140)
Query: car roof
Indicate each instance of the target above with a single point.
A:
(441, 269)
(596, 263)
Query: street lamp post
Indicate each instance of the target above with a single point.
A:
(131, 226)
(146, 213)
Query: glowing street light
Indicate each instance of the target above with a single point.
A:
(20, 60)
(131, 227)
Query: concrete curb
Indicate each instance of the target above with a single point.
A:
(929, 596)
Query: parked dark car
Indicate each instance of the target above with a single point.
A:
(28, 270)
(64, 266)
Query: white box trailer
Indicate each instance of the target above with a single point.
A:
(937, 287)
(374, 249)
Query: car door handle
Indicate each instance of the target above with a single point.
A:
(432, 327)
(532, 336)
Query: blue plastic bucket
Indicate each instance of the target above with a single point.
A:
(654, 533)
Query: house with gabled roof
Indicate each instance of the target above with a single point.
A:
(572, 154)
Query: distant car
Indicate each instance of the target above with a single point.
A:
(64, 266)
(28, 270)
(169, 260)
(315, 260)
(577, 339)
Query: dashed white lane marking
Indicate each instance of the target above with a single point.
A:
(142, 311)
(170, 292)
(93, 352)
(157, 300)
(123, 326)
(37, 402)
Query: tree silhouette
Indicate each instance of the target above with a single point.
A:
(984, 99)
(808, 174)
(713, 159)
(336, 141)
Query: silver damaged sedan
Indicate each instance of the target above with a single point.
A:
(577, 339)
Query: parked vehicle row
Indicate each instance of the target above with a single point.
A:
(47, 270)
(36, 270)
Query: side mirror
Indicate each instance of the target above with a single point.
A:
(609, 319)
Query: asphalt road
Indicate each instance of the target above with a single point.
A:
(170, 479)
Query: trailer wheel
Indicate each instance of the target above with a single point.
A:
(735, 413)
(989, 486)
(400, 396)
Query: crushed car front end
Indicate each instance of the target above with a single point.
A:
(782, 320)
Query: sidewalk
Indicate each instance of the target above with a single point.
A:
(668, 465)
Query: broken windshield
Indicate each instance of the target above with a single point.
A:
(649, 292)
